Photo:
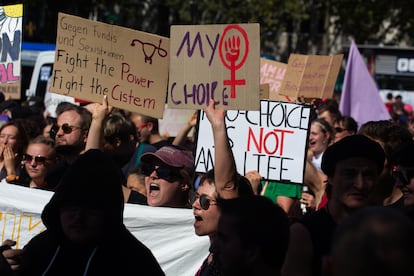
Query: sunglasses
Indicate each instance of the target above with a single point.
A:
(205, 202)
(403, 175)
(66, 128)
(166, 173)
(339, 129)
(39, 160)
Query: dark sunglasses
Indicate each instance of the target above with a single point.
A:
(205, 202)
(403, 175)
(339, 129)
(66, 128)
(165, 173)
(39, 160)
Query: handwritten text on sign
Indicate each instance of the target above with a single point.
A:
(272, 72)
(272, 141)
(311, 76)
(15, 224)
(214, 61)
(93, 59)
(10, 47)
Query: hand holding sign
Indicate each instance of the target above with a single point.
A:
(215, 116)
(225, 167)
(101, 111)
(99, 114)
(271, 141)
(255, 180)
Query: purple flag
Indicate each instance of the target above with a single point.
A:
(360, 97)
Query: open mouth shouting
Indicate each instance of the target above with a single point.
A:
(154, 189)
(312, 143)
(197, 220)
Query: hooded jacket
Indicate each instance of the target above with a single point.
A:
(93, 181)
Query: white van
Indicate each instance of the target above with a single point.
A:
(41, 73)
(29, 53)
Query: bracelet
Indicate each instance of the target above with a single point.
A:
(11, 178)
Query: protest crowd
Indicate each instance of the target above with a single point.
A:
(350, 214)
(347, 169)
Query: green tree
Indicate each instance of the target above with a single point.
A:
(300, 26)
(274, 16)
(369, 22)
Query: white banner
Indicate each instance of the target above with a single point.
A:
(168, 232)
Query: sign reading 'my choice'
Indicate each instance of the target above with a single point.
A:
(10, 46)
(93, 59)
(214, 61)
(272, 141)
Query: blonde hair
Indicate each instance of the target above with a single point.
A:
(325, 127)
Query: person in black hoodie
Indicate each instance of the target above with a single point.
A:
(85, 234)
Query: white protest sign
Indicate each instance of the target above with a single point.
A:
(272, 141)
(167, 232)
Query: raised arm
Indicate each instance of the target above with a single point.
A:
(95, 135)
(224, 164)
(182, 135)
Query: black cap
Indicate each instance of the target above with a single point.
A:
(350, 147)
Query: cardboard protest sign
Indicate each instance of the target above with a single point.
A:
(272, 73)
(264, 91)
(214, 61)
(311, 76)
(11, 43)
(272, 141)
(174, 120)
(93, 59)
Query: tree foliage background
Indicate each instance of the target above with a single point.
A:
(300, 26)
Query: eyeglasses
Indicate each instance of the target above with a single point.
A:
(39, 160)
(66, 128)
(339, 129)
(166, 173)
(403, 175)
(205, 202)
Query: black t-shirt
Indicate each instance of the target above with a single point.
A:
(137, 198)
(321, 227)
(161, 144)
